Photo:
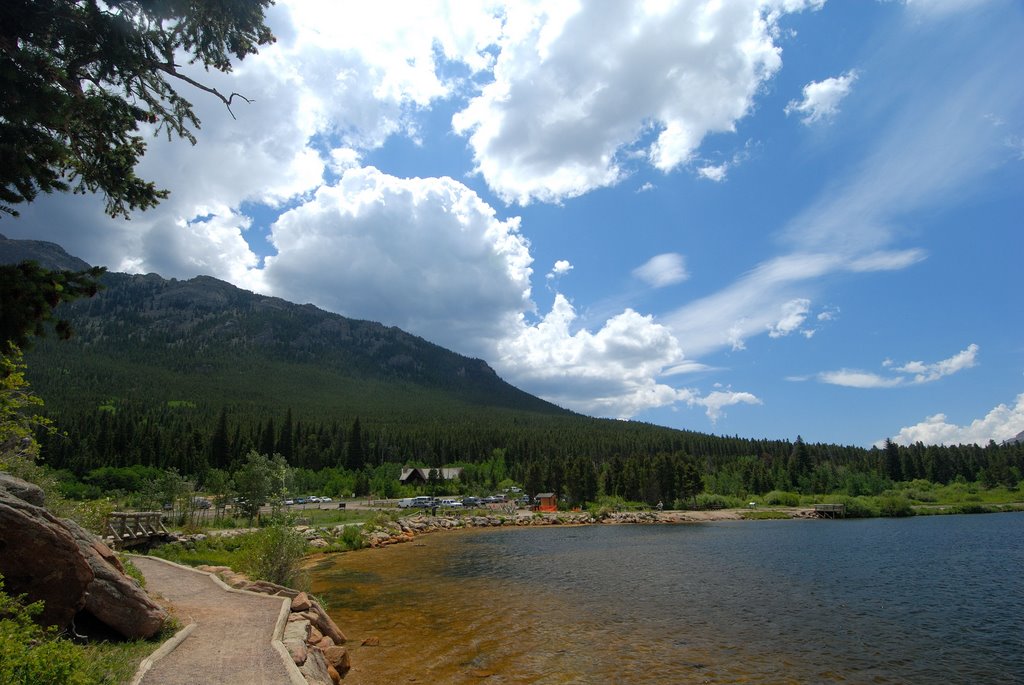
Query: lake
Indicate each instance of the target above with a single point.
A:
(922, 600)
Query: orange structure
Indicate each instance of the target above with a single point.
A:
(546, 501)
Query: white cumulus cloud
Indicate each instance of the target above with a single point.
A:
(561, 267)
(427, 255)
(716, 401)
(821, 98)
(610, 372)
(579, 87)
(794, 313)
(1001, 423)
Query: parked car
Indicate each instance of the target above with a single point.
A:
(471, 501)
(288, 502)
(414, 502)
(450, 502)
(200, 503)
(326, 499)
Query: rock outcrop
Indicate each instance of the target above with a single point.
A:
(113, 597)
(38, 555)
(69, 569)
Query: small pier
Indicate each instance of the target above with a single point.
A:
(830, 511)
(135, 529)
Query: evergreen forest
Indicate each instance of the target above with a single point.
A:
(194, 375)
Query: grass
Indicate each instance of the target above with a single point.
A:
(132, 571)
(322, 517)
(114, 663)
(764, 515)
(208, 520)
(215, 551)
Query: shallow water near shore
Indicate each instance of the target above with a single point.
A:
(924, 600)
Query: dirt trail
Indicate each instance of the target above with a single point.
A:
(231, 642)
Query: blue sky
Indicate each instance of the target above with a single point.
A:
(754, 217)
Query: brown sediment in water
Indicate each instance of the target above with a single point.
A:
(407, 626)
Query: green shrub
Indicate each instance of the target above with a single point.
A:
(782, 498)
(894, 505)
(706, 500)
(274, 554)
(31, 654)
(971, 509)
(352, 537)
(857, 507)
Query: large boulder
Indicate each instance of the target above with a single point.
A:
(114, 598)
(38, 555)
(66, 567)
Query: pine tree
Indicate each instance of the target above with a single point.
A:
(356, 455)
(220, 446)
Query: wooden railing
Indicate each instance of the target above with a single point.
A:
(135, 527)
(830, 511)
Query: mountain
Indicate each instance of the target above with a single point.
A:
(1015, 440)
(49, 255)
(205, 340)
(193, 374)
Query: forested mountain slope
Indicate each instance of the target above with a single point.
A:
(193, 374)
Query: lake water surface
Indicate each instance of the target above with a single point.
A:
(923, 600)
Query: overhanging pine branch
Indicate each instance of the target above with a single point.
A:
(226, 99)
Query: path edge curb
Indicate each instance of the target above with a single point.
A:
(294, 674)
(162, 651)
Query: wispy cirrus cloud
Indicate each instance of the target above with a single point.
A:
(938, 142)
(663, 270)
(910, 373)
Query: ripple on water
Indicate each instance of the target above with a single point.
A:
(886, 601)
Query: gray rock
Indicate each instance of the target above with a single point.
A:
(22, 489)
(315, 669)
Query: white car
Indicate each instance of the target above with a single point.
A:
(326, 499)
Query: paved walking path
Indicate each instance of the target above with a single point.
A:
(232, 641)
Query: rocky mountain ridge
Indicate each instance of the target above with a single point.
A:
(204, 325)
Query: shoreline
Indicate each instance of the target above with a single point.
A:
(407, 528)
